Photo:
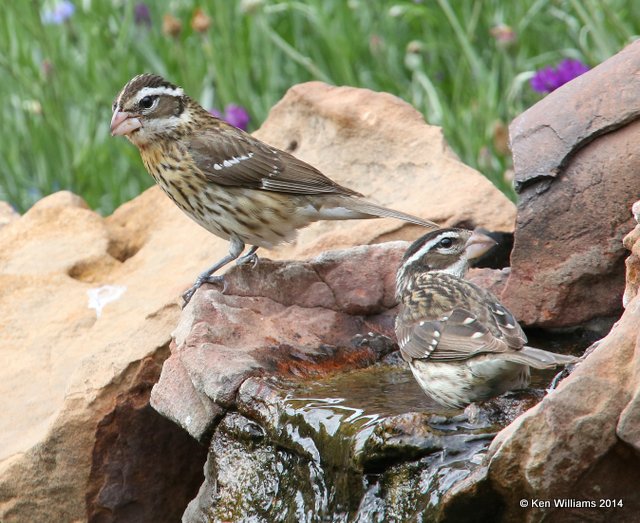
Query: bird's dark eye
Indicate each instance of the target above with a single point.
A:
(146, 102)
(445, 243)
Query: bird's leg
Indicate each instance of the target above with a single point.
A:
(235, 249)
(251, 257)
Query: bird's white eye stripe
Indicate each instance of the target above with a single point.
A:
(157, 91)
(428, 246)
(421, 252)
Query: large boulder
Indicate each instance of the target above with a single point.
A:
(279, 318)
(76, 421)
(576, 165)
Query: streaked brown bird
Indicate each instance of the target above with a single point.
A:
(461, 344)
(227, 181)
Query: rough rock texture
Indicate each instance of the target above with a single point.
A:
(582, 442)
(139, 458)
(632, 242)
(576, 162)
(74, 386)
(578, 443)
(287, 319)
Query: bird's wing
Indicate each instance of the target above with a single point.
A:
(453, 337)
(231, 157)
(506, 323)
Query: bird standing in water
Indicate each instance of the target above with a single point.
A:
(461, 344)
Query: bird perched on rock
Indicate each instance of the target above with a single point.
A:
(227, 181)
(462, 345)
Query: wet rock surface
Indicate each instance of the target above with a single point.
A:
(365, 445)
(576, 162)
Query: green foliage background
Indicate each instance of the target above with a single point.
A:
(58, 81)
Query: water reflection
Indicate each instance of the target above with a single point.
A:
(372, 393)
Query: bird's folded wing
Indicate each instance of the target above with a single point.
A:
(229, 157)
(513, 334)
(453, 337)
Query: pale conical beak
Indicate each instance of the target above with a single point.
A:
(123, 123)
(477, 245)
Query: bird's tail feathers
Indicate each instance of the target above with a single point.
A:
(360, 208)
(538, 358)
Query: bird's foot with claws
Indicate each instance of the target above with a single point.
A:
(251, 258)
(199, 283)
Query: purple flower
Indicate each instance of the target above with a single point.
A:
(236, 115)
(142, 14)
(60, 13)
(549, 79)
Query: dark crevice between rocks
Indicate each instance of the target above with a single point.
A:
(144, 467)
(499, 256)
(473, 500)
(572, 341)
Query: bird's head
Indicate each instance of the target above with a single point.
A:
(149, 107)
(443, 250)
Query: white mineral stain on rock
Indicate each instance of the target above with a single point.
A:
(101, 296)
